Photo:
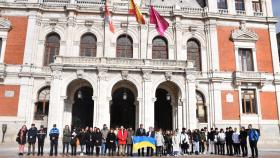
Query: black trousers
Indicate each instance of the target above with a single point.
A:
(129, 148)
(54, 144)
(87, 148)
(254, 148)
(73, 149)
(97, 150)
(159, 151)
(40, 148)
(111, 151)
(150, 151)
(31, 145)
(142, 152)
(222, 148)
(201, 147)
(65, 146)
(236, 148)
(244, 149)
(91, 147)
(217, 148)
(229, 148)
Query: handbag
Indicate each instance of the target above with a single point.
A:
(17, 139)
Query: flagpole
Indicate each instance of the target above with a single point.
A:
(104, 28)
(148, 30)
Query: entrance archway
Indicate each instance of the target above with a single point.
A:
(166, 106)
(123, 106)
(81, 104)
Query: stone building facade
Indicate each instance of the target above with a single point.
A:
(216, 66)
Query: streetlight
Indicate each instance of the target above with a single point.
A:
(168, 97)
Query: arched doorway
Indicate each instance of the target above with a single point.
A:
(81, 104)
(166, 106)
(123, 105)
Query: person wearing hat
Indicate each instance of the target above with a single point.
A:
(54, 134)
(31, 139)
(41, 135)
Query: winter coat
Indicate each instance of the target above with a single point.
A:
(54, 134)
(41, 135)
(243, 137)
(184, 138)
(196, 137)
(129, 137)
(66, 136)
(74, 138)
(111, 140)
(104, 134)
(90, 138)
(151, 134)
(32, 135)
(98, 138)
(21, 137)
(168, 139)
(221, 137)
(202, 137)
(159, 139)
(122, 137)
(229, 137)
(140, 132)
(82, 137)
(176, 142)
(235, 138)
(253, 135)
(211, 135)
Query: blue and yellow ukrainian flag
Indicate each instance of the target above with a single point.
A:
(143, 142)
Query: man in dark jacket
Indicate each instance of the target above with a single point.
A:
(54, 134)
(31, 139)
(129, 143)
(243, 141)
(141, 132)
(229, 142)
(150, 133)
(211, 138)
(41, 135)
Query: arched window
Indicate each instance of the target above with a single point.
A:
(124, 46)
(42, 104)
(160, 48)
(88, 45)
(193, 53)
(52, 46)
(201, 110)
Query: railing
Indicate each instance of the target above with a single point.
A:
(57, 2)
(223, 11)
(192, 10)
(122, 62)
(89, 3)
(249, 77)
(258, 13)
(240, 12)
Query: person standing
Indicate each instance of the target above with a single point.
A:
(141, 132)
(54, 134)
(236, 142)
(229, 141)
(168, 142)
(253, 140)
(41, 135)
(216, 146)
(176, 142)
(211, 138)
(111, 141)
(21, 139)
(243, 141)
(150, 133)
(82, 140)
(66, 139)
(196, 140)
(104, 132)
(184, 141)
(122, 136)
(87, 141)
(73, 142)
(129, 142)
(202, 143)
(90, 139)
(159, 143)
(98, 141)
(31, 139)
(221, 141)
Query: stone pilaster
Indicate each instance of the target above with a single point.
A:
(191, 101)
(147, 109)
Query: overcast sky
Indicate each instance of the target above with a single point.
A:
(276, 11)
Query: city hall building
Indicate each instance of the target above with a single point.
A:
(217, 65)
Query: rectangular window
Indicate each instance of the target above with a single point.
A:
(239, 5)
(245, 59)
(222, 4)
(249, 104)
(257, 7)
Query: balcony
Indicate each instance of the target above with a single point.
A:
(223, 11)
(122, 63)
(258, 13)
(240, 12)
(249, 77)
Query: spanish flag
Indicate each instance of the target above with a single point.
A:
(134, 10)
(143, 142)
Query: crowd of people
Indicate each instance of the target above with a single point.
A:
(119, 141)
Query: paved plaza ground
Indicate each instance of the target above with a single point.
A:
(10, 150)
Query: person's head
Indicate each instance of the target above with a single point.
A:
(97, 130)
(122, 128)
(66, 127)
(32, 125)
(42, 127)
(141, 125)
(202, 130)
(230, 129)
(242, 128)
(86, 129)
(54, 125)
(91, 129)
(227, 129)
(177, 130)
(24, 127)
(250, 126)
(104, 126)
(235, 129)
(216, 129)
(82, 130)
(150, 129)
(129, 129)
(221, 130)
(205, 129)
(112, 130)
(212, 129)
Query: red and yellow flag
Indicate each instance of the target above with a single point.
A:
(134, 10)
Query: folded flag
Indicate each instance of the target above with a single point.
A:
(158, 20)
(143, 142)
(108, 17)
(134, 10)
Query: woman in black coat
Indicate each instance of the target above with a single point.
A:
(243, 141)
(98, 140)
(111, 142)
(21, 139)
(82, 139)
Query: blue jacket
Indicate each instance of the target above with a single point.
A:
(54, 133)
(253, 135)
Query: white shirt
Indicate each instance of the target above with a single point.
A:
(235, 137)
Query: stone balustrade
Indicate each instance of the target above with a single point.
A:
(240, 77)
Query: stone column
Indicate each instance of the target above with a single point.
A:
(180, 115)
(184, 112)
(95, 101)
(70, 34)
(2, 51)
(231, 7)
(67, 115)
(273, 45)
(216, 102)
(212, 6)
(249, 8)
(148, 109)
(191, 102)
(103, 103)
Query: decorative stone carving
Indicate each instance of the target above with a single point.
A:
(48, 81)
(80, 73)
(125, 74)
(168, 76)
(244, 34)
(193, 29)
(53, 22)
(5, 24)
(102, 73)
(147, 75)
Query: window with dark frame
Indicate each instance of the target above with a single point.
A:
(88, 45)
(124, 47)
(257, 6)
(245, 59)
(249, 105)
(240, 5)
(52, 46)
(42, 104)
(222, 4)
(159, 48)
(0, 46)
(201, 109)
(194, 54)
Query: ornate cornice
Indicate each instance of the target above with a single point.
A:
(244, 34)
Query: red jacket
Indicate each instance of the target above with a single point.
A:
(122, 137)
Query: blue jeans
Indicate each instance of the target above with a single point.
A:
(103, 148)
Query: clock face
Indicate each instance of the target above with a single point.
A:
(44, 94)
